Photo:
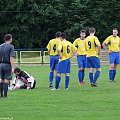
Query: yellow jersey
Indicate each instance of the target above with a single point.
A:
(113, 43)
(53, 46)
(66, 49)
(91, 44)
(80, 44)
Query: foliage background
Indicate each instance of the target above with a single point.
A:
(34, 22)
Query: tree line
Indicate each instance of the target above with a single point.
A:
(34, 22)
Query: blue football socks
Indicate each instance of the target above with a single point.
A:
(83, 74)
(97, 74)
(51, 76)
(111, 76)
(58, 78)
(67, 82)
(80, 75)
(91, 77)
(114, 74)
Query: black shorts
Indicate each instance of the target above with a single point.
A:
(25, 87)
(5, 71)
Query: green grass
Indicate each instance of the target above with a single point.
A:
(80, 102)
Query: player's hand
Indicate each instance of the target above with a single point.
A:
(60, 57)
(12, 70)
(13, 87)
(109, 52)
(76, 54)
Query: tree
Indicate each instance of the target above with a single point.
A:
(33, 23)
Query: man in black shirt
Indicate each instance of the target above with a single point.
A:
(6, 64)
(22, 76)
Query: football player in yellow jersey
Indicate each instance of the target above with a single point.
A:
(81, 55)
(54, 58)
(93, 49)
(113, 43)
(66, 51)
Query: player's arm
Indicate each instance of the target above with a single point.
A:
(14, 82)
(99, 49)
(12, 63)
(105, 44)
(105, 47)
(98, 45)
(59, 50)
(86, 44)
(119, 44)
(12, 55)
(48, 47)
(49, 52)
(76, 45)
(74, 51)
(30, 80)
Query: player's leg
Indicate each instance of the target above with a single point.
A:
(61, 68)
(91, 75)
(57, 82)
(5, 88)
(58, 75)
(84, 66)
(80, 69)
(96, 76)
(52, 67)
(112, 58)
(111, 74)
(7, 77)
(1, 80)
(114, 72)
(51, 77)
(96, 64)
(31, 82)
(117, 61)
(34, 84)
(81, 75)
(1, 87)
(67, 80)
(89, 65)
(22, 87)
(67, 77)
(56, 66)
(17, 87)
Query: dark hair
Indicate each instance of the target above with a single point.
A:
(7, 37)
(63, 36)
(115, 29)
(83, 31)
(92, 30)
(58, 34)
(17, 70)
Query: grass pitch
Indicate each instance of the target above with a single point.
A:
(80, 102)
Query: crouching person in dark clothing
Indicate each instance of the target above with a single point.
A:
(28, 82)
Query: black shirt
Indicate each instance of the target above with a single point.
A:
(6, 51)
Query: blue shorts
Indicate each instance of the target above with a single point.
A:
(64, 66)
(81, 61)
(54, 62)
(93, 62)
(114, 58)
